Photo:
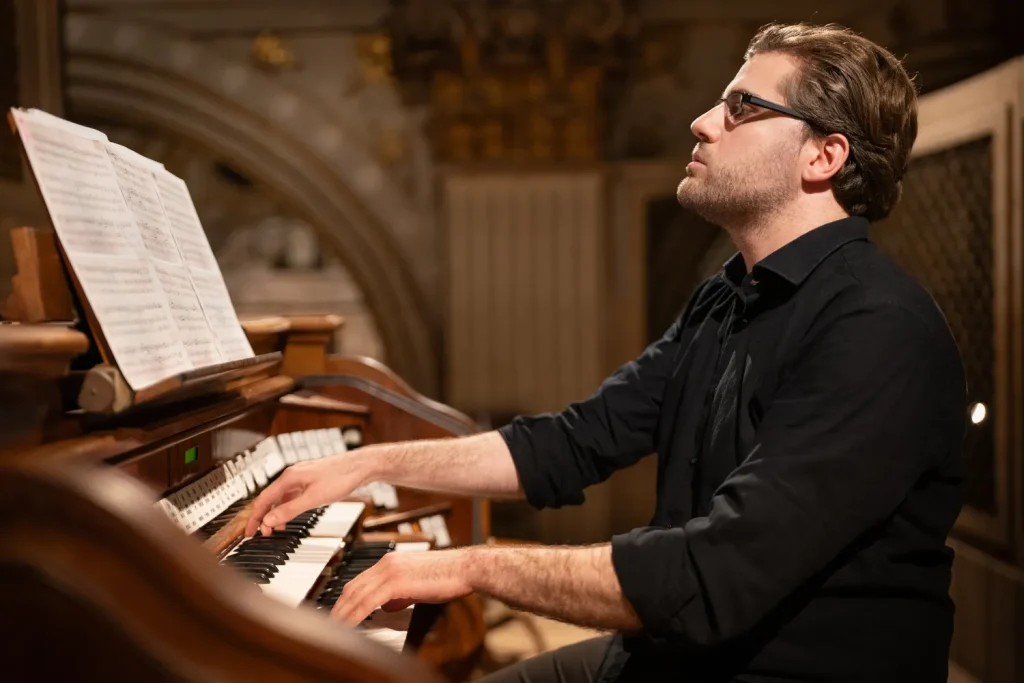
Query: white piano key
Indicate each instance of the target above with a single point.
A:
(273, 463)
(250, 482)
(302, 451)
(353, 437)
(259, 474)
(287, 450)
(337, 441)
(388, 628)
(327, 444)
(390, 496)
(299, 573)
(313, 444)
(337, 520)
(412, 546)
(441, 537)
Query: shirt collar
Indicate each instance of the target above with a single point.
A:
(795, 261)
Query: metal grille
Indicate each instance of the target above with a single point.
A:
(941, 232)
(10, 155)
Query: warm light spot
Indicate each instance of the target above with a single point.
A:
(978, 413)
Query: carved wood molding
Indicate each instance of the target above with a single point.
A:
(140, 565)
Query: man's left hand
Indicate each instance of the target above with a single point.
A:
(401, 579)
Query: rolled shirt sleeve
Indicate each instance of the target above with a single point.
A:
(876, 399)
(558, 455)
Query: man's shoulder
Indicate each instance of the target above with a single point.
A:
(866, 280)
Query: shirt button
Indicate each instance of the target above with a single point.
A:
(693, 461)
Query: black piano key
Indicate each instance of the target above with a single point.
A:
(280, 546)
(263, 569)
(358, 559)
(256, 574)
(274, 558)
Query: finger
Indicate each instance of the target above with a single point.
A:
(397, 605)
(360, 610)
(284, 512)
(266, 500)
(286, 497)
(360, 597)
(351, 594)
(290, 499)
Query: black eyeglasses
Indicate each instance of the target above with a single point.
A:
(735, 101)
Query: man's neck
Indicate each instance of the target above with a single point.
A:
(756, 239)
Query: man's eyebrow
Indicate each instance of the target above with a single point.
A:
(739, 90)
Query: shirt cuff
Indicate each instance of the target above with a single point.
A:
(650, 577)
(517, 437)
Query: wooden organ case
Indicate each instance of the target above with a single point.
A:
(126, 496)
(96, 582)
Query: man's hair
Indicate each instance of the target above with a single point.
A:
(847, 84)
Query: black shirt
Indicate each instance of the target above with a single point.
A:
(808, 419)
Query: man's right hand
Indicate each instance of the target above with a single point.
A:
(307, 485)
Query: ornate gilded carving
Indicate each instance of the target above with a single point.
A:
(373, 54)
(514, 80)
(270, 53)
(390, 145)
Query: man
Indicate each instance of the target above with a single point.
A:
(807, 409)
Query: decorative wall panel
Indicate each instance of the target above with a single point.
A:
(525, 278)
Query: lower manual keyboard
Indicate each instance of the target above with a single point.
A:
(299, 574)
(287, 564)
(387, 628)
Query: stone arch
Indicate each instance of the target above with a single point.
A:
(133, 73)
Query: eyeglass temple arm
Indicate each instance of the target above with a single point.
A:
(765, 104)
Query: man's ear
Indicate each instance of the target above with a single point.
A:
(832, 151)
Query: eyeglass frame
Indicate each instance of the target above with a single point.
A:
(747, 98)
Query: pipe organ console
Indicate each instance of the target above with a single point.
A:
(121, 549)
(138, 419)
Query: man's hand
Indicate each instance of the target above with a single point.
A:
(401, 579)
(577, 585)
(307, 485)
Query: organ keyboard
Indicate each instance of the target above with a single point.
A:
(313, 558)
(121, 550)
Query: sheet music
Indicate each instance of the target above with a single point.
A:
(139, 189)
(188, 314)
(202, 267)
(136, 176)
(132, 309)
(184, 221)
(134, 241)
(57, 122)
(80, 189)
(98, 233)
(213, 295)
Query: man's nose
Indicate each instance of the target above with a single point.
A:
(707, 126)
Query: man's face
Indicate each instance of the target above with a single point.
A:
(745, 166)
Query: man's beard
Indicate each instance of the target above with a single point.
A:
(741, 193)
